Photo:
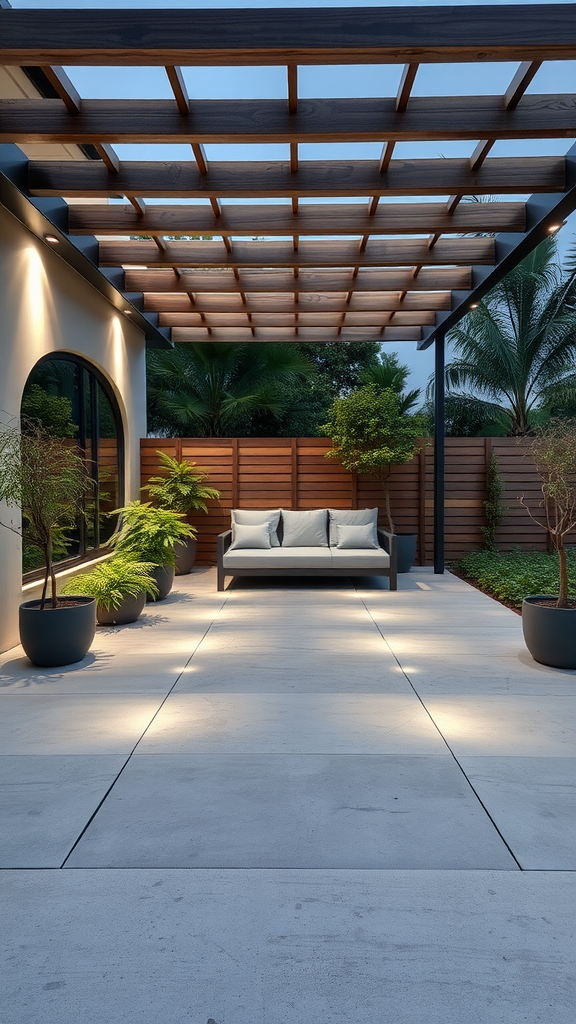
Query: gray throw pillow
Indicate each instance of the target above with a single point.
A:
(255, 517)
(357, 537)
(350, 517)
(254, 536)
(306, 529)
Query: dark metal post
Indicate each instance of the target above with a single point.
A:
(439, 454)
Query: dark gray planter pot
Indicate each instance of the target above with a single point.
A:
(406, 547)
(57, 636)
(128, 611)
(185, 556)
(549, 633)
(164, 576)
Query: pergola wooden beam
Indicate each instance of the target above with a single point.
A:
(326, 219)
(378, 253)
(158, 302)
(283, 36)
(304, 336)
(276, 281)
(170, 180)
(295, 319)
(427, 118)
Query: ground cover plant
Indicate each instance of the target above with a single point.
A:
(516, 574)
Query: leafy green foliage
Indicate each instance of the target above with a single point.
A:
(150, 534)
(388, 372)
(370, 435)
(493, 509)
(553, 451)
(516, 353)
(53, 412)
(112, 581)
(518, 574)
(45, 476)
(182, 489)
(214, 390)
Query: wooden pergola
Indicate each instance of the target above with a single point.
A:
(335, 260)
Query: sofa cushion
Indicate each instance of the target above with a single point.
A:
(304, 528)
(350, 517)
(357, 537)
(256, 536)
(363, 558)
(279, 558)
(255, 517)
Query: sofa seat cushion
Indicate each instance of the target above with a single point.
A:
(360, 558)
(279, 558)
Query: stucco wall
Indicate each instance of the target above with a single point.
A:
(45, 306)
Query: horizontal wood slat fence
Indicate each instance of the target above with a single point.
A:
(294, 473)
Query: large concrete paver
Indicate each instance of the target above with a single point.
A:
(288, 947)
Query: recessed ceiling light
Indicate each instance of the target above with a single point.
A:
(52, 239)
(474, 305)
(133, 266)
(128, 312)
(554, 227)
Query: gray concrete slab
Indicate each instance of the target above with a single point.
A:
(100, 672)
(291, 811)
(533, 802)
(83, 724)
(45, 802)
(292, 671)
(445, 673)
(288, 947)
(513, 726)
(304, 723)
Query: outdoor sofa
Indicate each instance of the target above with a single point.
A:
(315, 542)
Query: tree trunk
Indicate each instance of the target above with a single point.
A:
(563, 591)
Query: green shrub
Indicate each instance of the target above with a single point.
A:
(149, 534)
(518, 574)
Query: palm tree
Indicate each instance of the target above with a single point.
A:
(516, 353)
(388, 372)
(212, 389)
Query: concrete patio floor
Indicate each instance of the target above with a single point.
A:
(297, 802)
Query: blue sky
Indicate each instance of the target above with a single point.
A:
(369, 80)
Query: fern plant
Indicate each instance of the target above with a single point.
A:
(150, 534)
(111, 582)
(182, 488)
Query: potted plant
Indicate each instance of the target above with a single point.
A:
(150, 534)
(181, 489)
(46, 478)
(549, 621)
(370, 434)
(120, 586)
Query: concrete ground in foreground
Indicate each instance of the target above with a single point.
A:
(305, 800)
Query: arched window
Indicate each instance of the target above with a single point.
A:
(73, 400)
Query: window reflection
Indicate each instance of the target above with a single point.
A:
(71, 400)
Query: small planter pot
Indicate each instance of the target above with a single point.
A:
(549, 633)
(406, 548)
(164, 576)
(185, 556)
(128, 611)
(58, 636)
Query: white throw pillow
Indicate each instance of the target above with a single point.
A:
(351, 517)
(357, 536)
(306, 529)
(255, 536)
(255, 517)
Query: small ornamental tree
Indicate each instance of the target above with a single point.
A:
(46, 478)
(553, 451)
(370, 435)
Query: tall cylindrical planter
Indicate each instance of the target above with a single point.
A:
(185, 556)
(549, 632)
(406, 548)
(164, 576)
(128, 611)
(58, 636)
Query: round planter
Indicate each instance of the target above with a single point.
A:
(164, 576)
(406, 548)
(58, 636)
(549, 633)
(185, 556)
(128, 611)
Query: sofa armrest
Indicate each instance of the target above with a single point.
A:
(388, 542)
(223, 543)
